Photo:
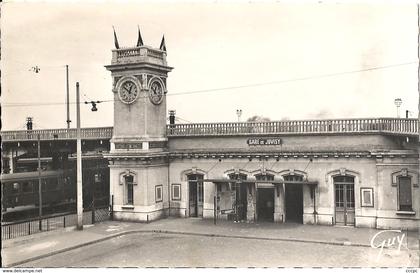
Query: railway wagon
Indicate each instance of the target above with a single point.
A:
(21, 189)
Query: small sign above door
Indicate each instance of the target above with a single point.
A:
(264, 141)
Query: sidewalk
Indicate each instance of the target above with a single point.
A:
(25, 249)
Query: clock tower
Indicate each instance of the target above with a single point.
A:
(138, 158)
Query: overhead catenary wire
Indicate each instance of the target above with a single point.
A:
(11, 104)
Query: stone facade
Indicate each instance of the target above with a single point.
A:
(341, 173)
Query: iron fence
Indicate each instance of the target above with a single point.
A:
(28, 227)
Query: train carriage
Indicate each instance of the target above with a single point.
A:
(21, 189)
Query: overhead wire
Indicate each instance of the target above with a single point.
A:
(11, 104)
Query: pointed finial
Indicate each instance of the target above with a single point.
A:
(117, 46)
(139, 39)
(162, 44)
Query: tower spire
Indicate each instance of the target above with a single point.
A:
(162, 44)
(139, 39)
(117, 46)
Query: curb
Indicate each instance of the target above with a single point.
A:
(346, 243)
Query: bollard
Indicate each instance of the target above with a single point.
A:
(29, 228)
(48, 224)
(64, 221)
(10, 234)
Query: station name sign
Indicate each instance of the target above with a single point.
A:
(264, 141)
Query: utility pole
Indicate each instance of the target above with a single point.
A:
(68, 97)
(39, 182)
(79, 165)
(418, 89)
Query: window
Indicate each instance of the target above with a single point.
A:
(158, 193)
(343, 179)
(195, 177)
(176, 192)
(293, 177)
(237, 176)
(264, 177)
(52, 184)
(404, 193)
(27, 186)
(15, 188)
(129, 179)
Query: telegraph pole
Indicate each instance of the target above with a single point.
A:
(39, 181)
(68, 97)
(418, 89)
(79, 165)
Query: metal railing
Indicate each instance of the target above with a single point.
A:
(367, 125)
(49, 223)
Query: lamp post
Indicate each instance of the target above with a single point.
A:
(239, 114)
(79, 164)
(67, 97)
(398, 103)
(39, 182)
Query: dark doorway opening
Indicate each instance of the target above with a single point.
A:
(241, 201)
(265, 204)
(294, 203)
(196, 199)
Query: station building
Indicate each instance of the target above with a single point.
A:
(354, 172)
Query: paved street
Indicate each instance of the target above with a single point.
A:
(170, 250)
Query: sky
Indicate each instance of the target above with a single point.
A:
(280, 60)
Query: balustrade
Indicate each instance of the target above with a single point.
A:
(368, 125)
(396, 126)
(136, 53)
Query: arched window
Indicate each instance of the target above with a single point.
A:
(293, 177)
(129, 182)
(404, 193)
(195, 177)
(264, 177)
(237, 176)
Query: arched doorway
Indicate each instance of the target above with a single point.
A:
(265, 198)
(196, 195)
(240, 195)
(344, 199)
(294, 198)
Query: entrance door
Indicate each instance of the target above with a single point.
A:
(241, 201)
(344, 200)
(196, 195)
(294, 203)
(265, 204)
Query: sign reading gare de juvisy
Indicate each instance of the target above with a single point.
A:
(264, 141)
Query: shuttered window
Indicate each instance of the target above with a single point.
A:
(404, 193)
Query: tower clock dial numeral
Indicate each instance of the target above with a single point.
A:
(156, 92)
(128, 92)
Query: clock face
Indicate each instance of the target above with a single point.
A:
(128, 92)
(156, 92)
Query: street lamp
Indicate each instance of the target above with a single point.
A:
(239, 114)
(79, 158)
(79, 164)
(398, 103)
